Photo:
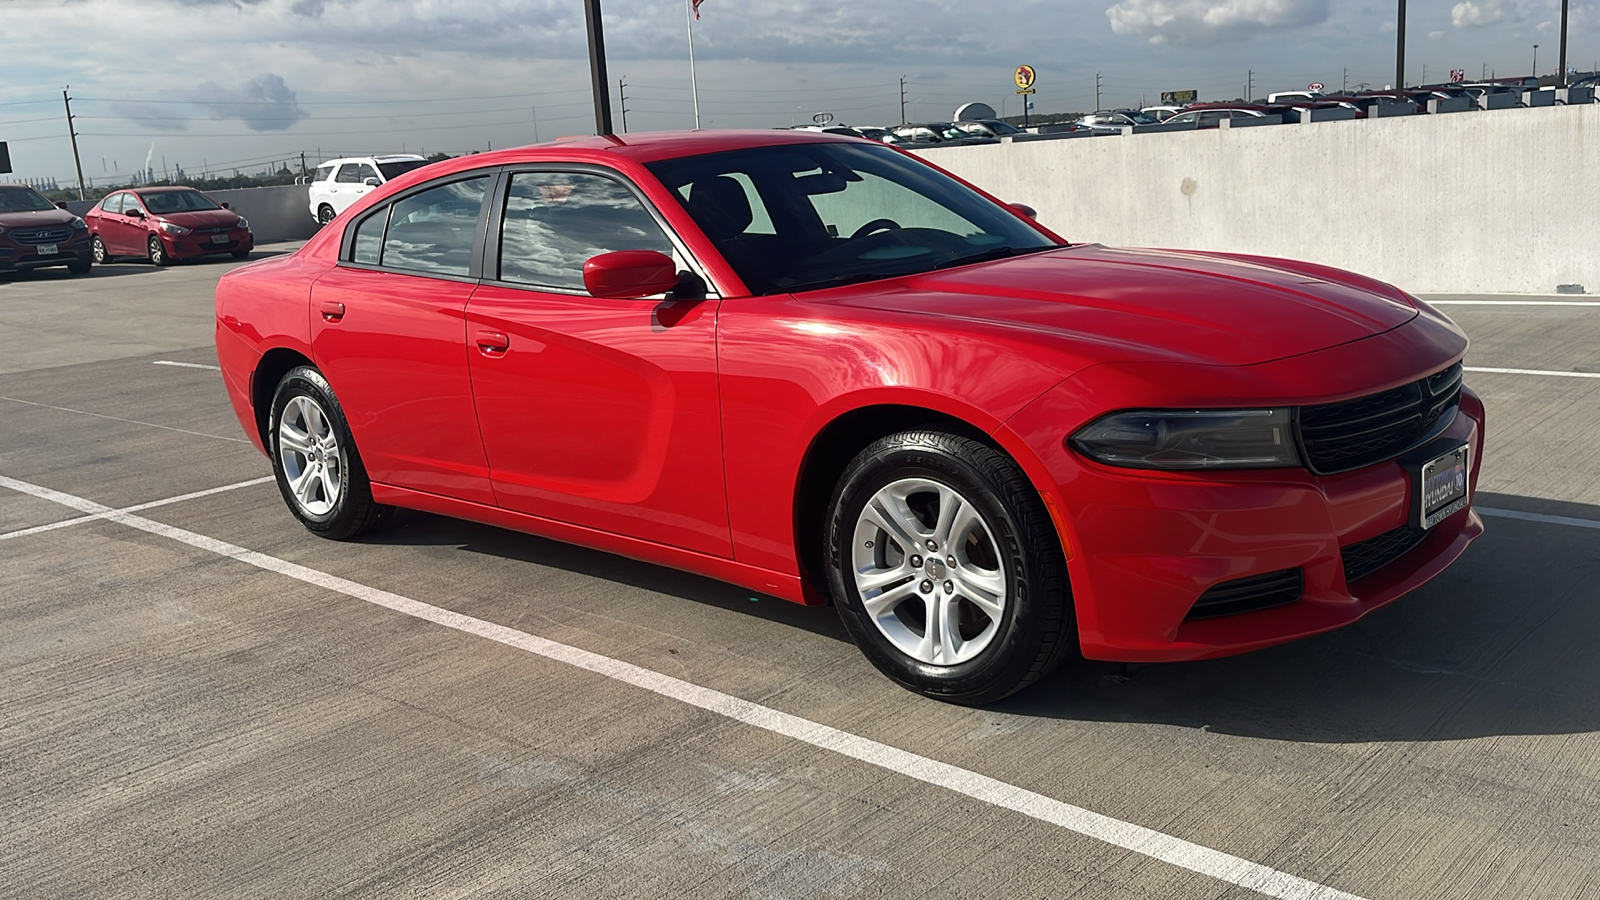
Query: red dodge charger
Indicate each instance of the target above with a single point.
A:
(826, 370)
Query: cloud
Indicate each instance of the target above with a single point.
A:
(1477, 13)
(1201, 23)
(1435, 35)
(264, 103)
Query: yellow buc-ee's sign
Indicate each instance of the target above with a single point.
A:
(1024, 77)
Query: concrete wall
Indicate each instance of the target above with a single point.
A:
(278, 213)
(1471, 202)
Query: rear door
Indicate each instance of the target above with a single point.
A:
(595, 412)
(387, 331)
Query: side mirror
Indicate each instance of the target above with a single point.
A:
(136, 213)
(630, 274)
(369, 181)
(1024, 210)
(224, 204)
(61, 204)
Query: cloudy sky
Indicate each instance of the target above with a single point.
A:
(221, 84)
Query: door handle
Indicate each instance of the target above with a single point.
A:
(492, 343)
(331, 311)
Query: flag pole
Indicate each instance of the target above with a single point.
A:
(694, 84)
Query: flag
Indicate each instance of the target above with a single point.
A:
(1458, 75)
(696, 5)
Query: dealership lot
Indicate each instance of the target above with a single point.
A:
(204, 700)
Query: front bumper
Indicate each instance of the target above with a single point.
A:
(1143, 547)
(189, 246)
(73, 251)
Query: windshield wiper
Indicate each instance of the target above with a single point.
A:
(992, 253)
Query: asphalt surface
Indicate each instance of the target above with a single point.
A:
(203, 700)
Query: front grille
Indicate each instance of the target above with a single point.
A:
(220, 229)
(1368, 556)
(42, 236)
(1339, 437)
(1243, 595)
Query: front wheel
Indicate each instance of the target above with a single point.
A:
(314, 458)
(946, 568)
(157, 252)
(240, 254)
(325, 214)
(98, 248)
(79, 266)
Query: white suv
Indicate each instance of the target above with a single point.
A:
(341, 182)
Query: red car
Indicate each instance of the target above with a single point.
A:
(823, 369)
(165, 224)
(35, 233)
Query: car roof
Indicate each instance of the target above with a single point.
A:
(386, 157)
(163, 189)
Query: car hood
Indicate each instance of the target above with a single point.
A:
(1156, 304)
(44, 218)
(202, 218)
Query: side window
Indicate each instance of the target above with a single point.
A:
(711, 209)
(367, 172)
(1209, 119)
(432, 231)
(112, 203)
(349, 174)
(557, 221)
(130, 204)
(325, 173)
(369, 237)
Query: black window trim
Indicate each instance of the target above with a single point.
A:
(491, 190)
(490, 262)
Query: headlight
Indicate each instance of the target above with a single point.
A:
(1190, 439)
(78, 223)
(243, 223)
(170, 228)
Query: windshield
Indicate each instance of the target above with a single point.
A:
(23, 199)
(1140, 118)
(393, 170)
(803, 216)
(999, 127)
(176, 201)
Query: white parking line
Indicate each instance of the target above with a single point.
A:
(83, 412)
(1126, 835)
(184, 365)
(37, 529)
(1544, 372)
(1538, 517)
(1513, 302)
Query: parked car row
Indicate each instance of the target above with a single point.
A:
(160, 224)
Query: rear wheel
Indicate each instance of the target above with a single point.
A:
(98, 247)
(157, 252)
(314, 458)
(946, 567)
(325, 214)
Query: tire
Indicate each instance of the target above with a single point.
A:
(80, 266)
(98, 248)
(156, 252)
(240, 254)
(325, 214)
(314, 458)
(983, 546)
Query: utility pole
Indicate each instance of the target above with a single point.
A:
(599, 84)
(1344, 86)
(534, 111)
(304, 172)
(1561, 73)
(1424, 73)
(1249, 85)
(1096, 93)
(902, 100)
(1536, 60)
(67, 102)
(1400, 51)
(622, 104)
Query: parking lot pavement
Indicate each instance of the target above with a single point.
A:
(204, 700)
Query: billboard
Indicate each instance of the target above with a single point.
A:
(1178, 98)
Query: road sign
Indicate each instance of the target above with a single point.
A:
(1024, 91)
(1024, 77)
(1458, 75)
(1314, 86)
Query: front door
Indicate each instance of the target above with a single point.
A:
(600, 413)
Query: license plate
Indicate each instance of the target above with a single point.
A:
(48, 249)
(219, 239)
(1442, 485)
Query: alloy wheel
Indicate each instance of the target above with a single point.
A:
(311, 457)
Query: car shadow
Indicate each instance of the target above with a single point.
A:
(1502, 643)
(413, 528)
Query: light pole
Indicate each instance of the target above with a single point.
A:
(1561, 72)
(1400, 51)
(1536, 60)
